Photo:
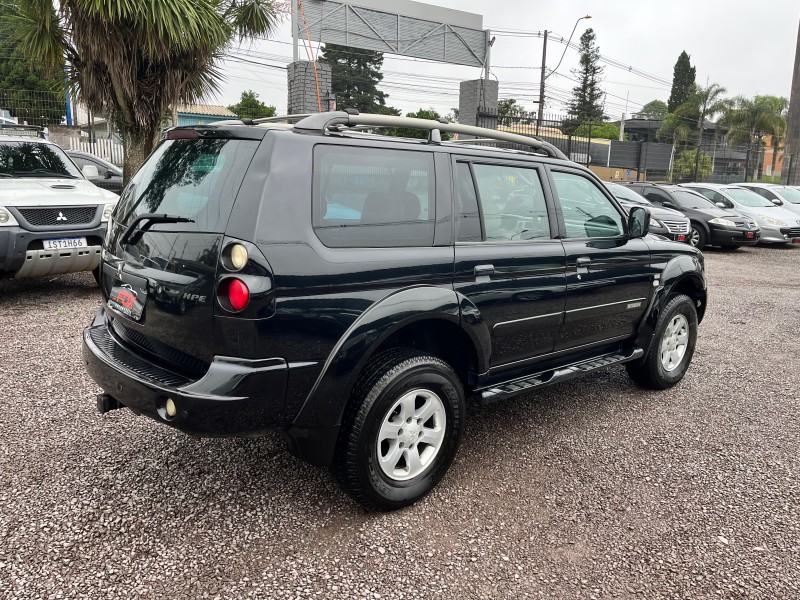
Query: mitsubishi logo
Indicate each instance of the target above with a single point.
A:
(61, 217)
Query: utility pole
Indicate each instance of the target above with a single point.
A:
(792, 174)
(622, 123)
(541, 84)
(295, 49)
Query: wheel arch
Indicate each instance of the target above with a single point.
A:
(421, 317)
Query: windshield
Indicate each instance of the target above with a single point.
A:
(687, 199)
(789, 193)
(747, 197)
(35, 159)
(194, 178)
(625, 193)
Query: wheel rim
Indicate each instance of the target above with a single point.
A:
(674, 343)
(695, 237)
(411, 434)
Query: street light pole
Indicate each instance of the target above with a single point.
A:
(544, 75)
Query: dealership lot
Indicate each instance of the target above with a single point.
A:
(592, 488)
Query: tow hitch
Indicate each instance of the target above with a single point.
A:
(105, 403)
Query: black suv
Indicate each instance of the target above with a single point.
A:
(352, 290)
(711, 225)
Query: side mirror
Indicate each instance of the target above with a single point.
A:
(109, 174)
(638, 222)
(721, 204)
(90, 171)
(777, 202)
(667, 204)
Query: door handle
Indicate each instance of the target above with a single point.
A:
(483, 270)
(582, 263)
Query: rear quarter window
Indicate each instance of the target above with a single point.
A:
(373, 197)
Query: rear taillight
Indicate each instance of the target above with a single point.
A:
(234, 295)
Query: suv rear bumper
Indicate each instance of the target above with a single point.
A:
(16, 258)
(236, 397)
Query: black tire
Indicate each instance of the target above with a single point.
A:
(702, 238)
(96, 275)
(650, 372)
(382, 383)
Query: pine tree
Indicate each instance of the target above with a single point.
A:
(356, 74)
(586, 104)
(682, 82)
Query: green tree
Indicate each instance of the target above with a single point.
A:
(605, 131)
(709, 103)
(25, 89)
(422, 113)
(683, 76)
(750, 119)
(586, 104)
(655, 109)
(507, 110)
(356, 74)
(136, 59)
(250, 107)
(683, 167)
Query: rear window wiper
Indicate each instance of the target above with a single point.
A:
(135, 233)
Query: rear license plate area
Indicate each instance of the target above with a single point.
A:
(128, 296)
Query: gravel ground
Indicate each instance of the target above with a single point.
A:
(588, 489)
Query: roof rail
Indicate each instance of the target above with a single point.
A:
(296, 117)
(321, 122)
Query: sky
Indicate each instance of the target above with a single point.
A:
(746, 47)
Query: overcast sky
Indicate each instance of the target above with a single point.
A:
(747, 48)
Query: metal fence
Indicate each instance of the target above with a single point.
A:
(719, 160)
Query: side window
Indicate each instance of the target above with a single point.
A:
(713, 196)
(81, 162)
(588, 213)
(656, 197)
(766, 193)
(512, 203)
(371, 197)
(468, 223)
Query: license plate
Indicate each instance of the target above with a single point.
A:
(681, 238)
(65, 243)
(128, 296)
(749, 235)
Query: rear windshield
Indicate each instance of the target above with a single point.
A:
(35, 159)
(192, 178)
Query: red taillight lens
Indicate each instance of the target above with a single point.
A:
(237, 293)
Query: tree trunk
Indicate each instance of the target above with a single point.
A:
(775, 147)
(137, 146)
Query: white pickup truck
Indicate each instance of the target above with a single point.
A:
(52, 219)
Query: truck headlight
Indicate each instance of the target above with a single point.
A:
(6, 218)
(107, 210)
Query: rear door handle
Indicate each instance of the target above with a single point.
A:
(483, 270)
(582, 263)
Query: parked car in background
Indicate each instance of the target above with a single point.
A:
(710, 224)
(664, 221)
(52, 218)
(109, 175)
(778, 225)
(785, 196)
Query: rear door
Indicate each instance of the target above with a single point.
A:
(160, 288)
(608, 275)
(507, 260)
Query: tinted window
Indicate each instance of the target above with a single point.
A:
(624, 192)
(198, 179)
(765, 193)
(512, 203)
(373, 197)
(587, 211)
(687, 199)
(656, 196)
(34, 159)
(468, 224)
(714, 196)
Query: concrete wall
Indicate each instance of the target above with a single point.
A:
(303, 88)
(475, 97)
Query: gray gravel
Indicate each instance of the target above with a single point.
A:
(588, 489)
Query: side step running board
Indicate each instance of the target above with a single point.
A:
(504, 390)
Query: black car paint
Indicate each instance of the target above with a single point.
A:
(319, 314)
(109, 176)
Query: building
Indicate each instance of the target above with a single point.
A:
(203, 114)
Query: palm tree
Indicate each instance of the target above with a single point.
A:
(752, 119)
(710, 102)
(137, 58)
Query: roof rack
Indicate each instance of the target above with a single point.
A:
(322, 122)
